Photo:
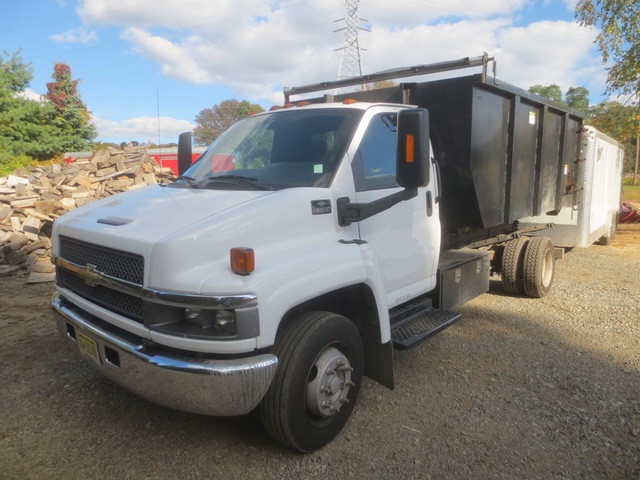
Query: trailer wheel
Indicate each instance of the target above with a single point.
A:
(538, 267)
(320, 368)
(512, 262)
(610, 234)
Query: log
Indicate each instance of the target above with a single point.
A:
(31, 228)
(36, 277)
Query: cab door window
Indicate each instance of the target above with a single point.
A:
(377, 153)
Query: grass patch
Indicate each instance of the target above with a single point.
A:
(9, 166)
(630, 193)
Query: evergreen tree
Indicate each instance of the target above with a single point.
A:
(69, 113)
(15, 76)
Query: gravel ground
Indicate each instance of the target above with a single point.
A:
(517, 389)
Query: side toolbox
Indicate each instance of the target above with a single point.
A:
(463, 274)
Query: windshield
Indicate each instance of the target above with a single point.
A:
(278, 150)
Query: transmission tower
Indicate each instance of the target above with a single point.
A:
(351, 59)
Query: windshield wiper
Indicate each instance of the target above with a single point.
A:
(238, 180)
(190, 180)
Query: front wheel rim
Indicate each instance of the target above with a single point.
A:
(329, 383)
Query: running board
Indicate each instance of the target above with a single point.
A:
(410, 331)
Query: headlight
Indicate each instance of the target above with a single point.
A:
(206, 319)
(202, 323)
(226, 320)
(199, 317)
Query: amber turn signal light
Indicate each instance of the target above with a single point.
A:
(242, 260)
(410, 149)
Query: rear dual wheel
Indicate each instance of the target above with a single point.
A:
(512, 261)
(538, 267)
(528, 266)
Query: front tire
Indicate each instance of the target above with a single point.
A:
(320, 368)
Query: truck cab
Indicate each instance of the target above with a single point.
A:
(275, 258)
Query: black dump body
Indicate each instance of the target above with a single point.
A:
(503, 153)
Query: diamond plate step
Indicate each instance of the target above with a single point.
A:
(413, 330)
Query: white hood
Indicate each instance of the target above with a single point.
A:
(185, 234)
(145, 214)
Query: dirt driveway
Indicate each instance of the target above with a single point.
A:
(518, 389)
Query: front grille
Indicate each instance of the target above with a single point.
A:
(126, 305)
(115, 263)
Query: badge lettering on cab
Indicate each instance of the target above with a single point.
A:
(320, 207)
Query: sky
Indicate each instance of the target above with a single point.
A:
(148, 67)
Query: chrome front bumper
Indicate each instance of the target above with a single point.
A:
(210, 387)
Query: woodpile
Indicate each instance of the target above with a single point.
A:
(32, 198)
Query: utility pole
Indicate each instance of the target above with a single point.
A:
(351, 58)
(635, 171)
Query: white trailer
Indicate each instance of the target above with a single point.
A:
(590, 207)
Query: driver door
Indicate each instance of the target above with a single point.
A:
(405, 238)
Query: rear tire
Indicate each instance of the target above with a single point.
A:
(320, 368)
(538, 267)
(512, 262)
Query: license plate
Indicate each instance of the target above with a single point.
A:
(88, 346)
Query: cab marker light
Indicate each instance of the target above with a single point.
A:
(242, 260)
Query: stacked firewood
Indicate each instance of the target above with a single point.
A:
(32, 198)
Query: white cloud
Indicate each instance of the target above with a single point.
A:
(141, 129)
(75, 35)
(550, 52)
(30, 95)
(175, 58)
(256, 47)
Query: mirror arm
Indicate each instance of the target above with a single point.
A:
(355, 212)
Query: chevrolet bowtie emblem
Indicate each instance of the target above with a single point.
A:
(90, 275)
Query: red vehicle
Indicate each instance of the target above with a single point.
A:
(168, 157)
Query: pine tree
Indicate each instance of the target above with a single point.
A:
(67, 111)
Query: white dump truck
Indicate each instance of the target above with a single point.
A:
(307, 242)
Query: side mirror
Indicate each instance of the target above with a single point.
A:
(184, 152)
(412, 156)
